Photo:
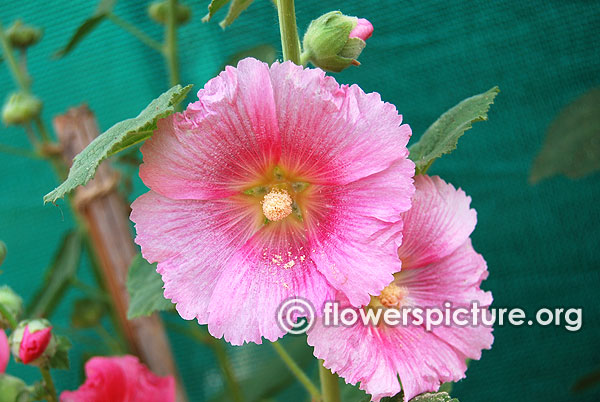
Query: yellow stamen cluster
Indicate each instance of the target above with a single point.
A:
(277, 205)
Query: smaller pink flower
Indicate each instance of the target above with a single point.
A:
(121, 379)
(363, 29)
(4, 351)
(34, 344)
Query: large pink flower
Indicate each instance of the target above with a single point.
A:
(121, 379)
(276, 183)
(438, 265)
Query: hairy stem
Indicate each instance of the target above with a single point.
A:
(297, 371)
(52, 397)
(170, 45)
(329, 384)
(290, 42)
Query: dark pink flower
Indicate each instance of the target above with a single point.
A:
(4, 351)
(276, 183)
(34, 344)
(439, 265)
(121, 379)
(363, 29)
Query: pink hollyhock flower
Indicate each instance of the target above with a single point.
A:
(438, 265)
(121, 379)
(276, 183)
(34, 344)
(363, 29)
(4, 351)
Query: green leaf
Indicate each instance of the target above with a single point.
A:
(117, 138)
(104, 8)
(572, 145)
(434, 397)
(145, 288)
(59, 274)
(265, 53)
(60, 360)
(442, 136)
(235, 9)
(87, 313)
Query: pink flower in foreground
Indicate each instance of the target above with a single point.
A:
(34, 344)
(4, 351)
(438, 265)
(276, 183)
(362, 30)
(121, 379)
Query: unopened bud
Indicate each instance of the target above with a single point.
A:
(334, 41)
(13, 389)
(158, 12)
(12, 303)
(32, 342)
(22, 36)
(20, 108)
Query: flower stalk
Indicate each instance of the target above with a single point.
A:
(329, 384)
(297, 371)
(289, 31)
(170, 46)
(49, 385)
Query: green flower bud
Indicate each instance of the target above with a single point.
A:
(20, 35)
(20, 107)
(12, 303)
(158, 12)
(330, 42)
(33, 342)
(13, 389)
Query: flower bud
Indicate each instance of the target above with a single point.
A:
(32, 342)
(13, 389)
(22, 36)
(20, 107)
(158, 12)
(334, 41)
(12, 303)
(4, 351)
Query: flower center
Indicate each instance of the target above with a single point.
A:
(277, 205)
(391, 296)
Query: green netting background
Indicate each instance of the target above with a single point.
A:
(541, 242)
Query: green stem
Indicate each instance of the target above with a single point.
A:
(52, 397)
(297, 371)
(133, 30)
(8, 316)
(225, 364)
(19, 152)
(290, 42)
(304, 58)
(170, 46)
(23, 81)
(329, 384)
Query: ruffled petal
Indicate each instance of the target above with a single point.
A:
(273, 266)
(332, 134)
(192, 241)
(222, 143)
(355, 230)
(437, 224)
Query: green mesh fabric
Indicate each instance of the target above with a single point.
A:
(540, 242)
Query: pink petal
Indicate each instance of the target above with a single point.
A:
(354, 230)
(437, 224)
(192, 241)
(331, 134)
(4, 351)
(222, 143)
(455, 278)
(362, 30)
(273, 266)
(33, 344)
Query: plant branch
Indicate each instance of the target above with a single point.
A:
(23, 80)
(8, 316)
(297, 371)
(290, 42)
(134, 31)
(49, 384)
(170, 45)
(329, 384)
